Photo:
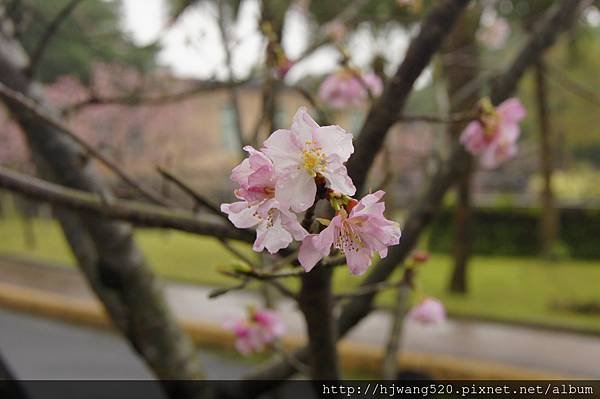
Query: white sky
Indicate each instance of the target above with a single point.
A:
(193, 47)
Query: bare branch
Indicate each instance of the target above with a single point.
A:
(33, 109)
(222, 291)
(237, 253)
(564, 81)
(51, 30)
(196, 196)
(384, 112)
(136, 213)
(454, 118)
(140, 98)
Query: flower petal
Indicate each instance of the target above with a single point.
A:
(335, 141)
(338, 179)
(282, 148)
(273, 238)
(316, 246)
(296, 190)
(511, 110)
(241, 214)
(303, 125)
(358, 261)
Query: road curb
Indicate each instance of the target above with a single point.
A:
(355, 357)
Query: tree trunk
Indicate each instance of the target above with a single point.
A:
(316, 303)
(548, 223)
(461, 250)
(461, 66)
(105, 250)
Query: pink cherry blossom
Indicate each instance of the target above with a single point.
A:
(358, 235)
(305, 152)
(430, 311)
(255, 331)
(344, 89)
(494, 135)
(494, 34)
(276, 226)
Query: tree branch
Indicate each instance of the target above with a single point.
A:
(136, 213)
(384, 112)
(138, 98)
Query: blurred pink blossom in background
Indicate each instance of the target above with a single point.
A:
(494, 135)
(429, 311)
(494, 34)
(255, 331)
(345, 89)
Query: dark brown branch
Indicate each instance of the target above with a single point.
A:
(136, 213)
(139, 98)
(316, 303)
(561, 14)
(222, 291)
(453, 118)
(370, 289)
(33, 109)
(384, 112)
(50, 31)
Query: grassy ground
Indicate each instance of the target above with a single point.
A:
(511, 289)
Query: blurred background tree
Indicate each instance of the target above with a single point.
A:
(92, 33)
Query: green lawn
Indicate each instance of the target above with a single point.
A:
(516, 289)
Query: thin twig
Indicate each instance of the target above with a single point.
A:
(187, 189)
(370, 289)
(261, 275)
(238, 253)
(225, 290)
(139, 98)
(38, 113)
(455, 118)
(269, 279)
(574, 87)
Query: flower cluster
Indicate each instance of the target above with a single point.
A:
(348, 88)
(255, 331)
(293, 170)
(493, 136)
